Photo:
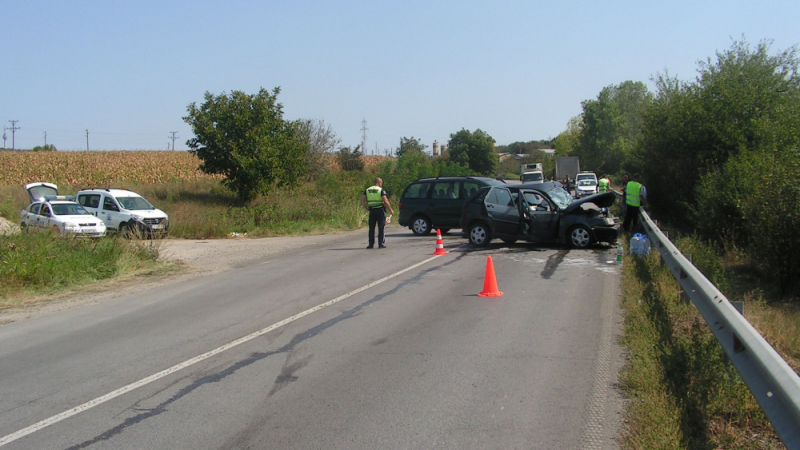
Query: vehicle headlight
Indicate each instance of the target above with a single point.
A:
(71, 226)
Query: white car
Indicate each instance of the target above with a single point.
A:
(50, 211)
(585, 188)
(124, 211)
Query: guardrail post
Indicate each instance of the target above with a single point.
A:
(684, 296)
(737, 344)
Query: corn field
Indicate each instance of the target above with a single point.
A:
(100, 168)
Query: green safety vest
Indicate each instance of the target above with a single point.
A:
(602, 185)
(374, 199)
(632, 193)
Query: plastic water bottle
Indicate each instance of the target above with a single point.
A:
(633, 247)
(619, 253)
(645, 246)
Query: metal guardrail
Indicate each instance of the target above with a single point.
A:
(773, 383)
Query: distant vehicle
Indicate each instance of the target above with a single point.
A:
(124, 211)
(542, 212)
(58, 213)
(585, 184)
(431, 203)
(586, 175)
(531, 173)
(567, 166)
(585, 187)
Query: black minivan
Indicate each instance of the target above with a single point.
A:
(431, 203)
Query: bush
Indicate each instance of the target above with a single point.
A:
(350, 161)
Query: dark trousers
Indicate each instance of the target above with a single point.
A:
(631, 217)
(376, 216)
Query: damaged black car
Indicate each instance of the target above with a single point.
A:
(541, 212)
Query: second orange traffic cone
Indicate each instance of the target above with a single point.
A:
(489, 281)
(439, 243)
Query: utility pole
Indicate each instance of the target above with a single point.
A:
(45, 140)
(4, 137)
(87, 140)
(173, 137)
(376, 152)
(364, 135)
(13, 129)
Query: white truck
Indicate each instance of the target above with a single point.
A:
(124, 211)
(531, 173)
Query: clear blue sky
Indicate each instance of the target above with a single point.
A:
(126, 71)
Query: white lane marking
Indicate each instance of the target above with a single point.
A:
(144, 381)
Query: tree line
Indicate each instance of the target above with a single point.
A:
(720, 154)
(245, 138)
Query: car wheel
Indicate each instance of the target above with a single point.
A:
(509, 241)
(479, 235)
(579, 237)
(421, 226)
(56, 230)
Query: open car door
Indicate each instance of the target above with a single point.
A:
(540, 215)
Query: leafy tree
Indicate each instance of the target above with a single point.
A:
(566, 143)
(318, 139)
(350, 160)
(245, 138)
(474, 150)
(746, 99)
(44, 148)
(611, 126)
(410, 145)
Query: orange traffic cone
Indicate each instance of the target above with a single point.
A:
(439, 244)
(489, 281)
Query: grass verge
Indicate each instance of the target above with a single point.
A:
(682, 393)
(40, 263)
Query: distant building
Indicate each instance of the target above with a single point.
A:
(549, 152)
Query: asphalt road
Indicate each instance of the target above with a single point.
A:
(402, 354)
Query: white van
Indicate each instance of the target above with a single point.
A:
(124, 211)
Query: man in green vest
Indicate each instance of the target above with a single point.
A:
(635, 197)
(602, 185)
(374, 200)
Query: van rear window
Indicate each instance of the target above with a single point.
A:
(417, 190)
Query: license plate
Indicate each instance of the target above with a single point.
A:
(157, 227)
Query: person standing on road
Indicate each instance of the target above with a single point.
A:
(602, 185)
(635, 198)
(375, 201)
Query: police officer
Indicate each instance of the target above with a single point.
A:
(374, 200)
(602, 185)
(635, 197)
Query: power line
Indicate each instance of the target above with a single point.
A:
(13, 129)
(364, 135)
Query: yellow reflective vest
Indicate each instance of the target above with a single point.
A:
(632, 191)
(602, 185)
(374, 197)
